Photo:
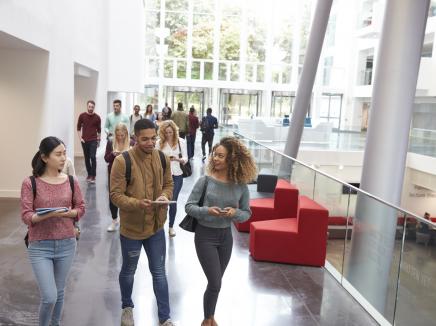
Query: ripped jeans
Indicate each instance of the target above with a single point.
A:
(155, 248)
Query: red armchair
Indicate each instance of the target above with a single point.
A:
(284, 204)
(300, 240)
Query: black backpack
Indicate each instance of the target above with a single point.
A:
(126, 156)
(33, 182)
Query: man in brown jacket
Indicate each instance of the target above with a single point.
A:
(142, 217)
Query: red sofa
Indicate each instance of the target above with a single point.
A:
(300, 240)
(284, 204)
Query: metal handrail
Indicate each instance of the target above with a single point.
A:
(421, 219)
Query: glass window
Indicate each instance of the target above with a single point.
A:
(234, 72)
(195, 70)
(208, 70)
(152, 4)
(178, 30)
(249, 73)
(256, 32)
(222, 75)
(168, 68)
(176, 5)
(204, 6)
(202, 37)
(260, 73)
(230, 38)
(181, 69)
(153, 68)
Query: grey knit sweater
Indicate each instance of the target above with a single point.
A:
(222, 195)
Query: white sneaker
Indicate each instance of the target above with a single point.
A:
(171, 232)
(113, 226)
(127, 317)
(167, 322)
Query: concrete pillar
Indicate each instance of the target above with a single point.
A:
(369, 264)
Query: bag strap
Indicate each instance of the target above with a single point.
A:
(180, 149)
(70, 179)
(126, 156)
(200, 203)
(128, 166)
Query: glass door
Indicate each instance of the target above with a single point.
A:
(238, 104)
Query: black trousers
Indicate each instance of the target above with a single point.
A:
(206, 138)
(214, 249)
(89, 151)
(113, 208)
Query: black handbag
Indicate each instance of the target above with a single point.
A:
(189, 223)
(186, 168)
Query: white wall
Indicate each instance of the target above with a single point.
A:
(23, 80)
(71, 32)
(126, 48)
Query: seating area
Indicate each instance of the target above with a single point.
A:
(287, 227)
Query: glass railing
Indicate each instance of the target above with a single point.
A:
(384, 256)
(423, 141)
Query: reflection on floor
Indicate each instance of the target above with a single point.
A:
(253, 293)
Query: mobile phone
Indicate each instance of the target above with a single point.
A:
(223, 210)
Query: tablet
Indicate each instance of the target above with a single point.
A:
(161, 202)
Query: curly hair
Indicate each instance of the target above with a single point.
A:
(163, 137)
(240, 162)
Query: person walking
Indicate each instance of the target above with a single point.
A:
(135, 116)
(193, 126)
(51, 236)
(226, 199)
(180, 118)
(142, 197)
(120, 143)
(89, 131)
(115, 118)
(149, 114)
(208, 124)
(175, 148)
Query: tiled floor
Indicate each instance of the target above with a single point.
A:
(253, 293)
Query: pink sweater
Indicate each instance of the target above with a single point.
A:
(50, 195)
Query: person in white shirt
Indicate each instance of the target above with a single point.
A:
(175, 148)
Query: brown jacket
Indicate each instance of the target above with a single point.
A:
(147, 182)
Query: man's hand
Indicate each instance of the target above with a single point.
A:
(162, 198)
(82, 140)
(146, 203)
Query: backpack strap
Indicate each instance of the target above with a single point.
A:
(32, 180)
(128, 161)
(163, 161)
(128, 166)
(70, 178)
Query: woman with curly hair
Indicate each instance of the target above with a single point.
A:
(226, 199)
(175, 148)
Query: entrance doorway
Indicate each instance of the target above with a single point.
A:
(235, 104)
(331, 109)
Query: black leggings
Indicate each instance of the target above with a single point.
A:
(214, 249)
(113, 208)
(206, 138)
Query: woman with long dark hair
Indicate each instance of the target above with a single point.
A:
(226, 199)
(52, 241)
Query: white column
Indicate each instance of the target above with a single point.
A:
(305, 86)
(387, 141)
(161, 100)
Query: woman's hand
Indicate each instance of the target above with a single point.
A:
(72, 213)
(228, 212)
(214, 211)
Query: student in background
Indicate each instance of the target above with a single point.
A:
(120, 143)
(175, 148)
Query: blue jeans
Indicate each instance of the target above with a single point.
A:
(51, 261)
(191, 143)
(155, 248)
(178, 183)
